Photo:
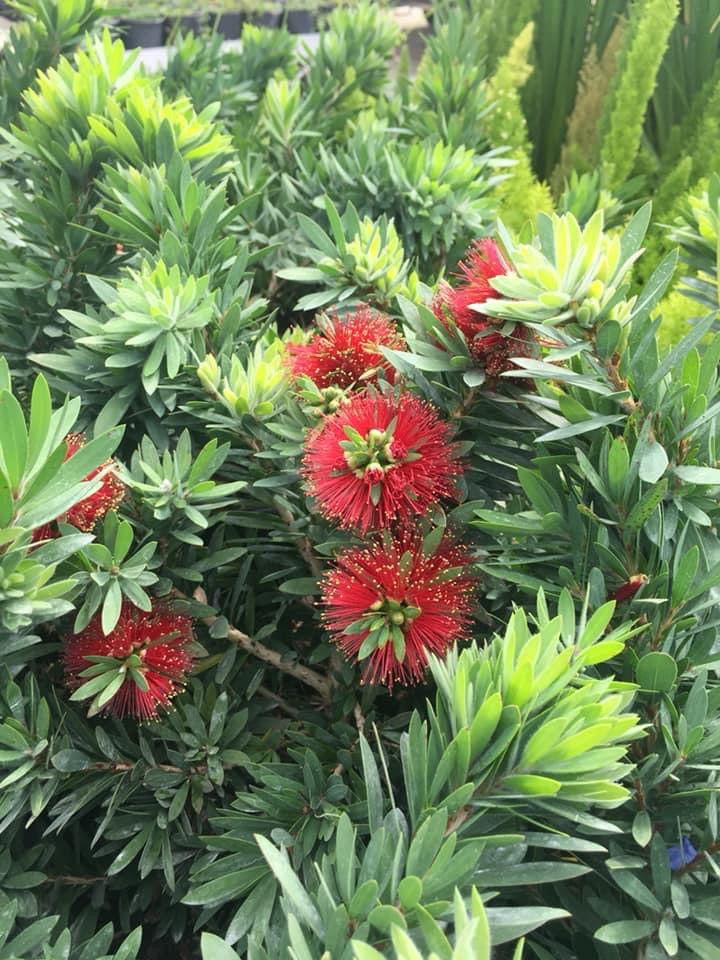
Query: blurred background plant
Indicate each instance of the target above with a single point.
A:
(552, 790)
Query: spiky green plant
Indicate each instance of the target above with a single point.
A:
(507, 127)
(646, 39)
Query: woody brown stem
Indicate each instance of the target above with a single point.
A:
(307, 552)
(310, 557)
(465, 404)
(629, 405)
(283, 704)
(125, 767)
(305, 547)
(359, 717)
(76, 881)
(304, 674)
(457, 820)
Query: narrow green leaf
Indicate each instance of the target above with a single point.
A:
(13, 439)
(625, 931)
(644, 508)
(654, 462)
(131, 849)
(111, 607)
(287, 878)
(301, 586)
(642, 828)
(704, 476)
(373, 788)
(70, 761)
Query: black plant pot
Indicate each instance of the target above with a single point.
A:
(192, 23)
(300, 21)
(321, 18)
(142, 33)
(266, 19)
(229, 25)
(9, 13)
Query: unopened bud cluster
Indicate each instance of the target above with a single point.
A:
(379, 258)
(255, 386)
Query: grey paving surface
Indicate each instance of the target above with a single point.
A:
(4, 29)
(156, 58)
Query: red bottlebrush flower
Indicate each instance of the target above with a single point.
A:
(47, 531)
(85, 514)
(346, 350)
(628, 589)
(483, 262)
(152, 645)
(390, 605)
(380, 459)
(489, 348)
(494, 351)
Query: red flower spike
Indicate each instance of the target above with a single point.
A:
(628, 589)
(85, 514)
(494, 351)
(159, 638)
(48, 531)
(483, 262)
(489, 348)
(346, 350)
(379, 459)
(390, 605)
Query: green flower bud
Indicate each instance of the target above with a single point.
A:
(209, 373)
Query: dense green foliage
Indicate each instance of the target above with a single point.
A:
(551, 790)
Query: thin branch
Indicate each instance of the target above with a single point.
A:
(125, 767)
(314, 564)
(612, 368)
(310, 557)
(465, 404)
(75, 881)
(359, 717)
(283, 704)
(304, 674)
(304, 544)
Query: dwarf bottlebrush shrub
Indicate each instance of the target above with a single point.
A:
(418, 593)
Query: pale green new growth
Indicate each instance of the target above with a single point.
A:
(571, 275)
